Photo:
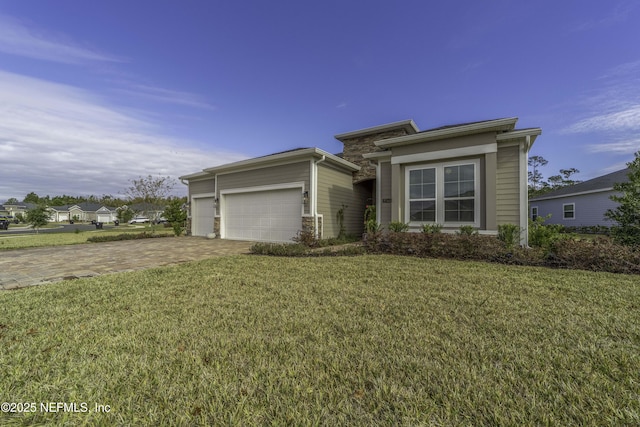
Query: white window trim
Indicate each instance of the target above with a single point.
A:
(532, 214)
(439, 167)
(573, 210)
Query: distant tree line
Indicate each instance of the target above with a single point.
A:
(538, 185)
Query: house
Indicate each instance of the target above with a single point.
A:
(579, 205)
(467, 174)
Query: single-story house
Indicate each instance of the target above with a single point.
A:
(466, 174)
(579, 205)
(85, 211)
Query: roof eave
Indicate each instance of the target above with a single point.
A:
(408, 125)
(504, 125)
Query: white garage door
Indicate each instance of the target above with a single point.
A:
(272, 216)
(104, 217)
(202, 216)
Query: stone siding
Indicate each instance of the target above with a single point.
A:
(216, 226)
(354, 148)
(308, 224)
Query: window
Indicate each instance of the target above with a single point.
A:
(443, 193)
(534, 212)
(422, 195)
(569, 210)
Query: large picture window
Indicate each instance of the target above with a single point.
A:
(445, 193)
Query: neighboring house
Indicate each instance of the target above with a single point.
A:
(151, 211)
(582, 204)
(468, 174)
(58, 213)
(20, 208)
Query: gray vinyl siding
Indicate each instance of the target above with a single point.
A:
(445, 144)
(589, 209)
(273, 175)
(202, 187)
(385, 193)
(335, 189)
(508, 186)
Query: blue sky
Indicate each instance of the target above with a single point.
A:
(93, 94)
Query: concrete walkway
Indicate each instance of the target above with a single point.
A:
(27, 267)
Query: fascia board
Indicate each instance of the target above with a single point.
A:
(282, 158)
(407, 124)
(446, 133)
(516, 134)
(562, 196)
(377, 155)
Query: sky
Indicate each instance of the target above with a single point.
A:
(95, 94)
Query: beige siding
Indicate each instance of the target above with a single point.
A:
(335, 190)
(385, 193)
(273, 175)
(202, 187)
(508, 186)
(446, 144)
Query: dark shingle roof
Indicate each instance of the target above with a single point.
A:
(459, 124)
(603, 182)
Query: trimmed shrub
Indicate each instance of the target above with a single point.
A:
(509, 234)
(398, 226)
(126, 236)
(467, 230)
(431, 228)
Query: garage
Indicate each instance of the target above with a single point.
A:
(271, 216)
(103, 217)
(203, 213)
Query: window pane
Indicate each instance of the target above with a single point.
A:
(415, 177)
(466, 189)
(429, 176)
(466, 216)
(451, 174)
(451, 189)
(429, 191)
(466, 173)
(415, 191)
(422, 211)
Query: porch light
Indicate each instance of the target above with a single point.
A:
(305, 197)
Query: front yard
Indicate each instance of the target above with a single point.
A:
(365, 340)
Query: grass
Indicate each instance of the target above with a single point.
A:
(371, 340)
(32, 240)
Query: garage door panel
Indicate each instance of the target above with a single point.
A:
(204, 212)
(273, 215)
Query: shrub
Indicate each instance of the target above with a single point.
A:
(467, 230)
(306, 237)
(509, 234)
(398, 226)
(279, 249)
(600, 254)
(125, 236)
(431, 228)
(370, 223)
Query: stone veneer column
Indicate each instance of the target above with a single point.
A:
(216, 226)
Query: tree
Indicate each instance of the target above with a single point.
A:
(627, 214)
(124, 213)
(31, 198)
(12, 201)
(150, 192)
(37, 217)
(176, 215)
(535, 176)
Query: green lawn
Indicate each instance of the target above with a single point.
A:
(370, 340)
(33, 239)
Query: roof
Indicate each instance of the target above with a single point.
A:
(504, 125)
(408, 125)
(289, 155)
(601, 183)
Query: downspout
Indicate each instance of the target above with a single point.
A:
(524, 198)
(315, 194)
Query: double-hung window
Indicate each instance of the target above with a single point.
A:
(569, 211)
(444, 193)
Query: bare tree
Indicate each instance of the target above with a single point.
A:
(151, 193)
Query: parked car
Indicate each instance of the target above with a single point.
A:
(160, 221)
(139, 220)
(4, 222)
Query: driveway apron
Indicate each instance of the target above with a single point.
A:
(27, 267)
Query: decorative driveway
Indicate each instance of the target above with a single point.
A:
(26, 267)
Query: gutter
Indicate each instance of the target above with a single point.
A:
(315, 193)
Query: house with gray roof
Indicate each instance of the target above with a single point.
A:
(468, 174)
(579, 205)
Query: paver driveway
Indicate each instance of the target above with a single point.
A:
(27, 267)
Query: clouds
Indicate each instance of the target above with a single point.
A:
(58, 139)
(19, 38)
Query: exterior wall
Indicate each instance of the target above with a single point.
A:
(446, 144)
(354, 148)
(508, 186)
(335, 190)
(294, 172)
(202, 186)
(589, 209)
(384, 204)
